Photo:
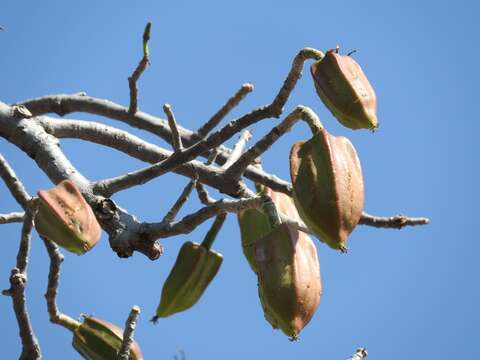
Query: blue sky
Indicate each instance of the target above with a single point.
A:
(407, 294)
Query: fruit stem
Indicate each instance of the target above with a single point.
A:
(271, 211)
(67, 322)
(213, 231)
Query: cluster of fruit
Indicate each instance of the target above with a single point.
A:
(328, 196)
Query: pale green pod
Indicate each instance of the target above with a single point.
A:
(193, 271)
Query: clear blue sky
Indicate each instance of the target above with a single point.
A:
(409, 294)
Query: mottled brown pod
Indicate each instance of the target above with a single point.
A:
(345, 90)
(288, 278)
(327, 186)
(65, 218)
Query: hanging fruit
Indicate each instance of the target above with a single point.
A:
(65, 218)
(345, 90)
(254, 224)
(194, 269)
(327, 186)
(96, 339)
(288, 277)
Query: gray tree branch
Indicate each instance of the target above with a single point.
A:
(225, 109)
(56, 317)
(124, 353)
(11, 217)
(13, 183)
(18, 281)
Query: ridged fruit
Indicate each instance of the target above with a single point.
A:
(194, 269)
(97, 339)
(65, 218)
(345, 90)
(327, 186)
(288, 278)
(254, 223)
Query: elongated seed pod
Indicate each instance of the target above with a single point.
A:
(345, 90)
(327, 186)
(288, 278)
(193, 271)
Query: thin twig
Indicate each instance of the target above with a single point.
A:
(360, 353)
(56, 259)
(250, 156)
(393, 222)
(13, 183)
(293, 76)
(237, 149)
(203, 195)
(142, 65)
(124, 353)
(153, 231)
(176, 138)
(182, 199)
(212, 156)
(11, 217)
(18, 281)
(225, 109)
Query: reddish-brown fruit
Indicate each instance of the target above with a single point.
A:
(327, 186)
(288, 278)
(345, 90)
(65, 218)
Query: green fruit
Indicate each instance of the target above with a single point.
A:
(327, 186)
(254, 223)
(193, 271)
(345, 90)
(288, 278)
(65, 218)
(96, 339)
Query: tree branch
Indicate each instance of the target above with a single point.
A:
(124, 353)
(203, 195)
(176, 139)
(154, 231)
(393, 222)
(172, 213)
(18, 280)
(135, 147)
(142, 65)
(225, 109)
(237, 149)
(11, 217)
(56, 259)
(300, 112)
(13, 183)
(113, 185)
